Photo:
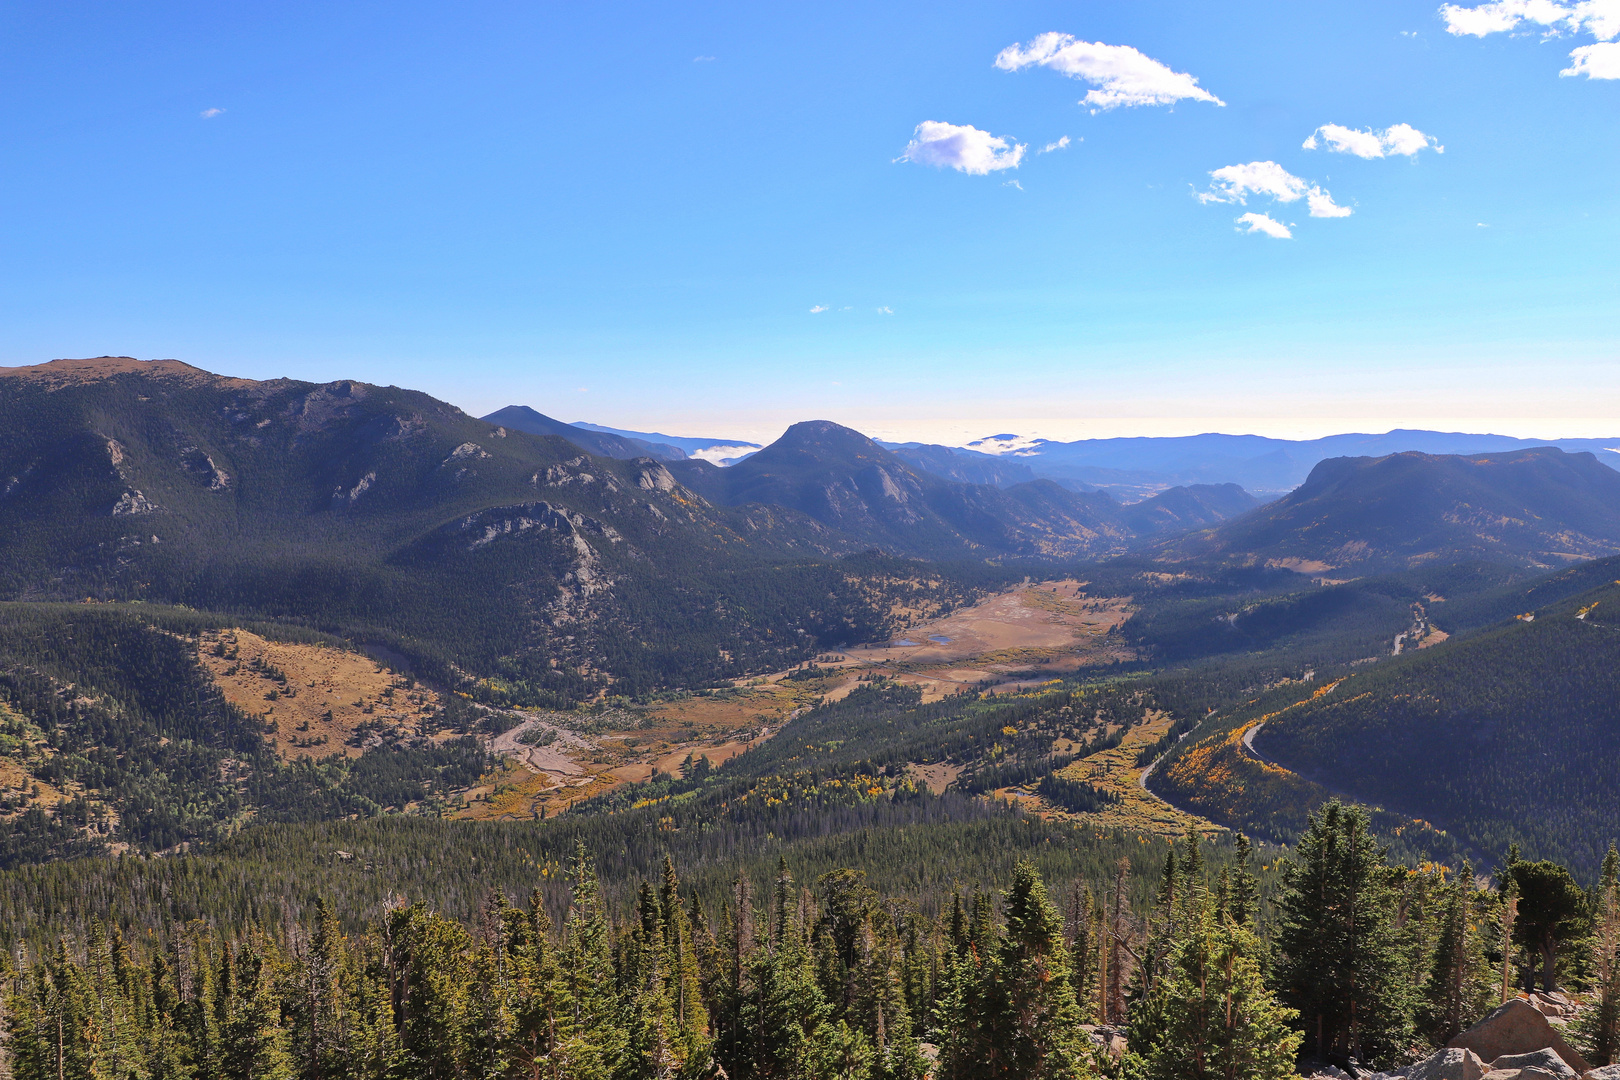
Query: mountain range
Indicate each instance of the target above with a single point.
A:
(1132, 467)
(522, 562)
(848, 482)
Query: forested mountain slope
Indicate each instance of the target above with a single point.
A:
(847, 482)
(386, 515)
(1539, 507)
(1509, 736)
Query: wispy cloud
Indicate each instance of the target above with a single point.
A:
(965, 149)
(1122, 75)
(1013, 184)
(1235, 183)
(1051, 146)
(1600, 61)
(209, 114)
(818, 309)
(1265, 223)
(702, 59)
(1400, 139)
(885, 311)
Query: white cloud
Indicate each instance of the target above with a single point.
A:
(1600, 61)
(1122, 75)
(965, 149)
(1235, 183)
(885, 311)
(209, 114)
(1051, 146)
(1265, 223)
(702, 59)
(1403, 139)
(1013, 184)
(1600, 18)
(1322, 204)
(818, 309)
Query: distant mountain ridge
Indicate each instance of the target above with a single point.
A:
(688, 445)
(963, 466)
(603, 443)
(1538, 508)
(848, 482)
(1264, 466)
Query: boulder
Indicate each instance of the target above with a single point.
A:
(1546, 1060)
(1608, 1072)
(1107, 1039)
(1553, 1005)
(1539, 1059)
(1453, 1063)
(1520, 1074)
(1517, 1027)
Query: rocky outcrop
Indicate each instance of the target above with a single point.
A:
(1517, 1027)
(361, 486)
(652, 476)
(133, 502)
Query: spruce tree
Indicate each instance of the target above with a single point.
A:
(1211, 1017)
(1034, 1016)
(1458, 990)
(1598, 1026)
(1243, 896)
(1340, 963)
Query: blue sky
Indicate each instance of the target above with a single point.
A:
(626, 213)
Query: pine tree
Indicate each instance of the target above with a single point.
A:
(1341, 965)
(1244, 895)
(591, 1037)
(1082, 945)
(1458, 990)
(1599, 1024)
(1212, 1017)
(1552, 912)
(683, 979)
(733, 1037)
(254, 1044)
(1034, 1016)
(320, 1037)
